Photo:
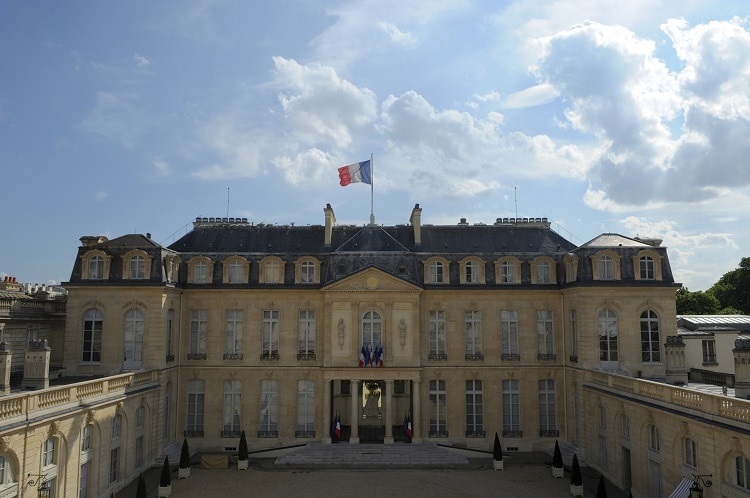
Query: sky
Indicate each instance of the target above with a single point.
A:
(137, 117)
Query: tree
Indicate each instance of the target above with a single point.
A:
(243, 453)
(497, 449)
(557, 460)
(166, 474)
(696, 303)
(575, 472)
(185, 455)
(141, 490)
(601, 490)
(733, 288)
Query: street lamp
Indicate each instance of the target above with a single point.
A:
(699, 480)
(39, 479)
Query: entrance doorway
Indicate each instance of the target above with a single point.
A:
(371, 425)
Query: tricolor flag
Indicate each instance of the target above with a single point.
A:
(378, 354)
(356, 173)
(364, 356)
(408, 428)
(338, 426)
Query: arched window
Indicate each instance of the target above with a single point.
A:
(650, 341)
(6, 474)
(307, 272)
(646, 267)
(543, 272)
(436, 272)
(507, 272)
(608, 351)
(93, 322)
(200, 272)
(471, 270)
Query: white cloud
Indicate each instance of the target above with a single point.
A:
(141, 61)
(320, 106)
(530, 97)
(161, 168)
(308, 168)
(395, 34)
(100, 195)
(236, 146)
(116, 118)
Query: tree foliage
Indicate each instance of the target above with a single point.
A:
(696, 303)
(733, 288)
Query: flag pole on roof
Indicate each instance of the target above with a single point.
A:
(372, 182)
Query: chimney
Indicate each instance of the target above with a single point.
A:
(92, 240)
(674, 350)
(416, 223)
(330, 220)
(36, 365)
(5, 355)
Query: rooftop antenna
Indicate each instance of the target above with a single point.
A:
(227, 202)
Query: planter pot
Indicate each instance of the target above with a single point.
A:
(558, 472)
(576, 490)
(497, 464)
(165, 491)
(242, 464)
(183, 473)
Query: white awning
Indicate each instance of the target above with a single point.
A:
(683, 489)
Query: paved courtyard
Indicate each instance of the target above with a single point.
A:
(524, 477)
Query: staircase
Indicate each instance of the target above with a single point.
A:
(344, 455)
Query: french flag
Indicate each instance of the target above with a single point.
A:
(338, 426)
(378, 354)
(364, 356)
(356, 173)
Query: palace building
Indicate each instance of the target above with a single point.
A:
(461, 331)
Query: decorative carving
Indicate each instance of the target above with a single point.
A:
(342, 329)
(3, 444)
(684, 429)
(90, 417)
(120, 407)
(402, 333)
(736, 445)
(54, 428)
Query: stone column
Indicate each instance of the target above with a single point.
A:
(416, 428)
(354, 415)
(5, 365)
(741, 353)
(674, 350)
(36, 365)
(326, 439)
(388, 439)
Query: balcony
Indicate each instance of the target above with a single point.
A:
(510, 357)
(512, 433)
(437, 356)
(193, 433)
(196, 356)
(231, 433)
(232, 356)
(473, 357)
(546, 356)
(306, 355)
(474, 434)
(304, 434)
(549, 433)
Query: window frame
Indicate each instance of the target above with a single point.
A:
(305, 409)
(436, 333)
(545, 333)
(198, 334)
(650, 337)
(231, 417)
(306, 334)
(509, 343)
(270, 335)
(196, 406)
(511, 408)
(474, 410)
(234, 320)
(708, 350)
(473, 335)
(92, 353)
(548, 408)
(268, 423)
(438, 422)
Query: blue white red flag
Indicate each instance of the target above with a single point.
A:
(338, 426)
(360, 172)
(408, 428)
(378, 354)
(365, 357)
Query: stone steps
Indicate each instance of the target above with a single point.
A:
(345, 455)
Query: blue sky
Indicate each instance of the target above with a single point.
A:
(627, 117)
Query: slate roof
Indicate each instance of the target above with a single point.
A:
(614, 240)
(713, 323)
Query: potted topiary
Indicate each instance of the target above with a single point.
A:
(242, 457)
(558, 471)
(140, 491)
(601, 490)
(184, 471)
(165, 482)
(497, 454)
(576, 481)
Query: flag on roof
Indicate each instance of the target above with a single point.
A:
(360, 172)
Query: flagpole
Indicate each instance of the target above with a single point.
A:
(372, 188)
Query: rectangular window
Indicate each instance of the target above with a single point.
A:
(270, 330)
(606, 268)
(137, 267)
(545, 335)
(306, 333)
(273, 273)
(233, 337)
(232, 405)
(547, 409)
(507, 273)
(436, 324)
(170, 332)
(114, 464)
(307, 272)
(438, 409)
(92, 336)
(542, 273)
(574, 335)
(650, 341)
(198, 334)
(200, 272)
(236, 272)
(139, 417)
(473, 335)
(138, 452)
(625, 427)
(48, 453)
(472, 272)
(269, 399)
(96, 268)
(116, 426)
(83, 483)
(511, 409)
(195, 407)
(305, 408)
(436, 272)
(509, 335)
(709, 351)
(474, 417)
(647, 268)
(742, 467)
(86, 438)
(691, 453)
(654, 438)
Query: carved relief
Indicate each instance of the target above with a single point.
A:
(90, 417)
(54, 428)
(402, 333)
(342, 330)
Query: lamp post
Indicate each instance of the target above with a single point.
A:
(43, 491)
(700, 480)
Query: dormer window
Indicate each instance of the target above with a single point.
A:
(235, 270)
(200, 272)
(508, 270)
(436, 271)
(137, 267)
(307, 271)
(96, 268)
(647, 265)
(472, 272)
(272, 271)
(606, 265)
(606, 268)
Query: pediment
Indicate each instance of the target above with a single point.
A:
(371, 280)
